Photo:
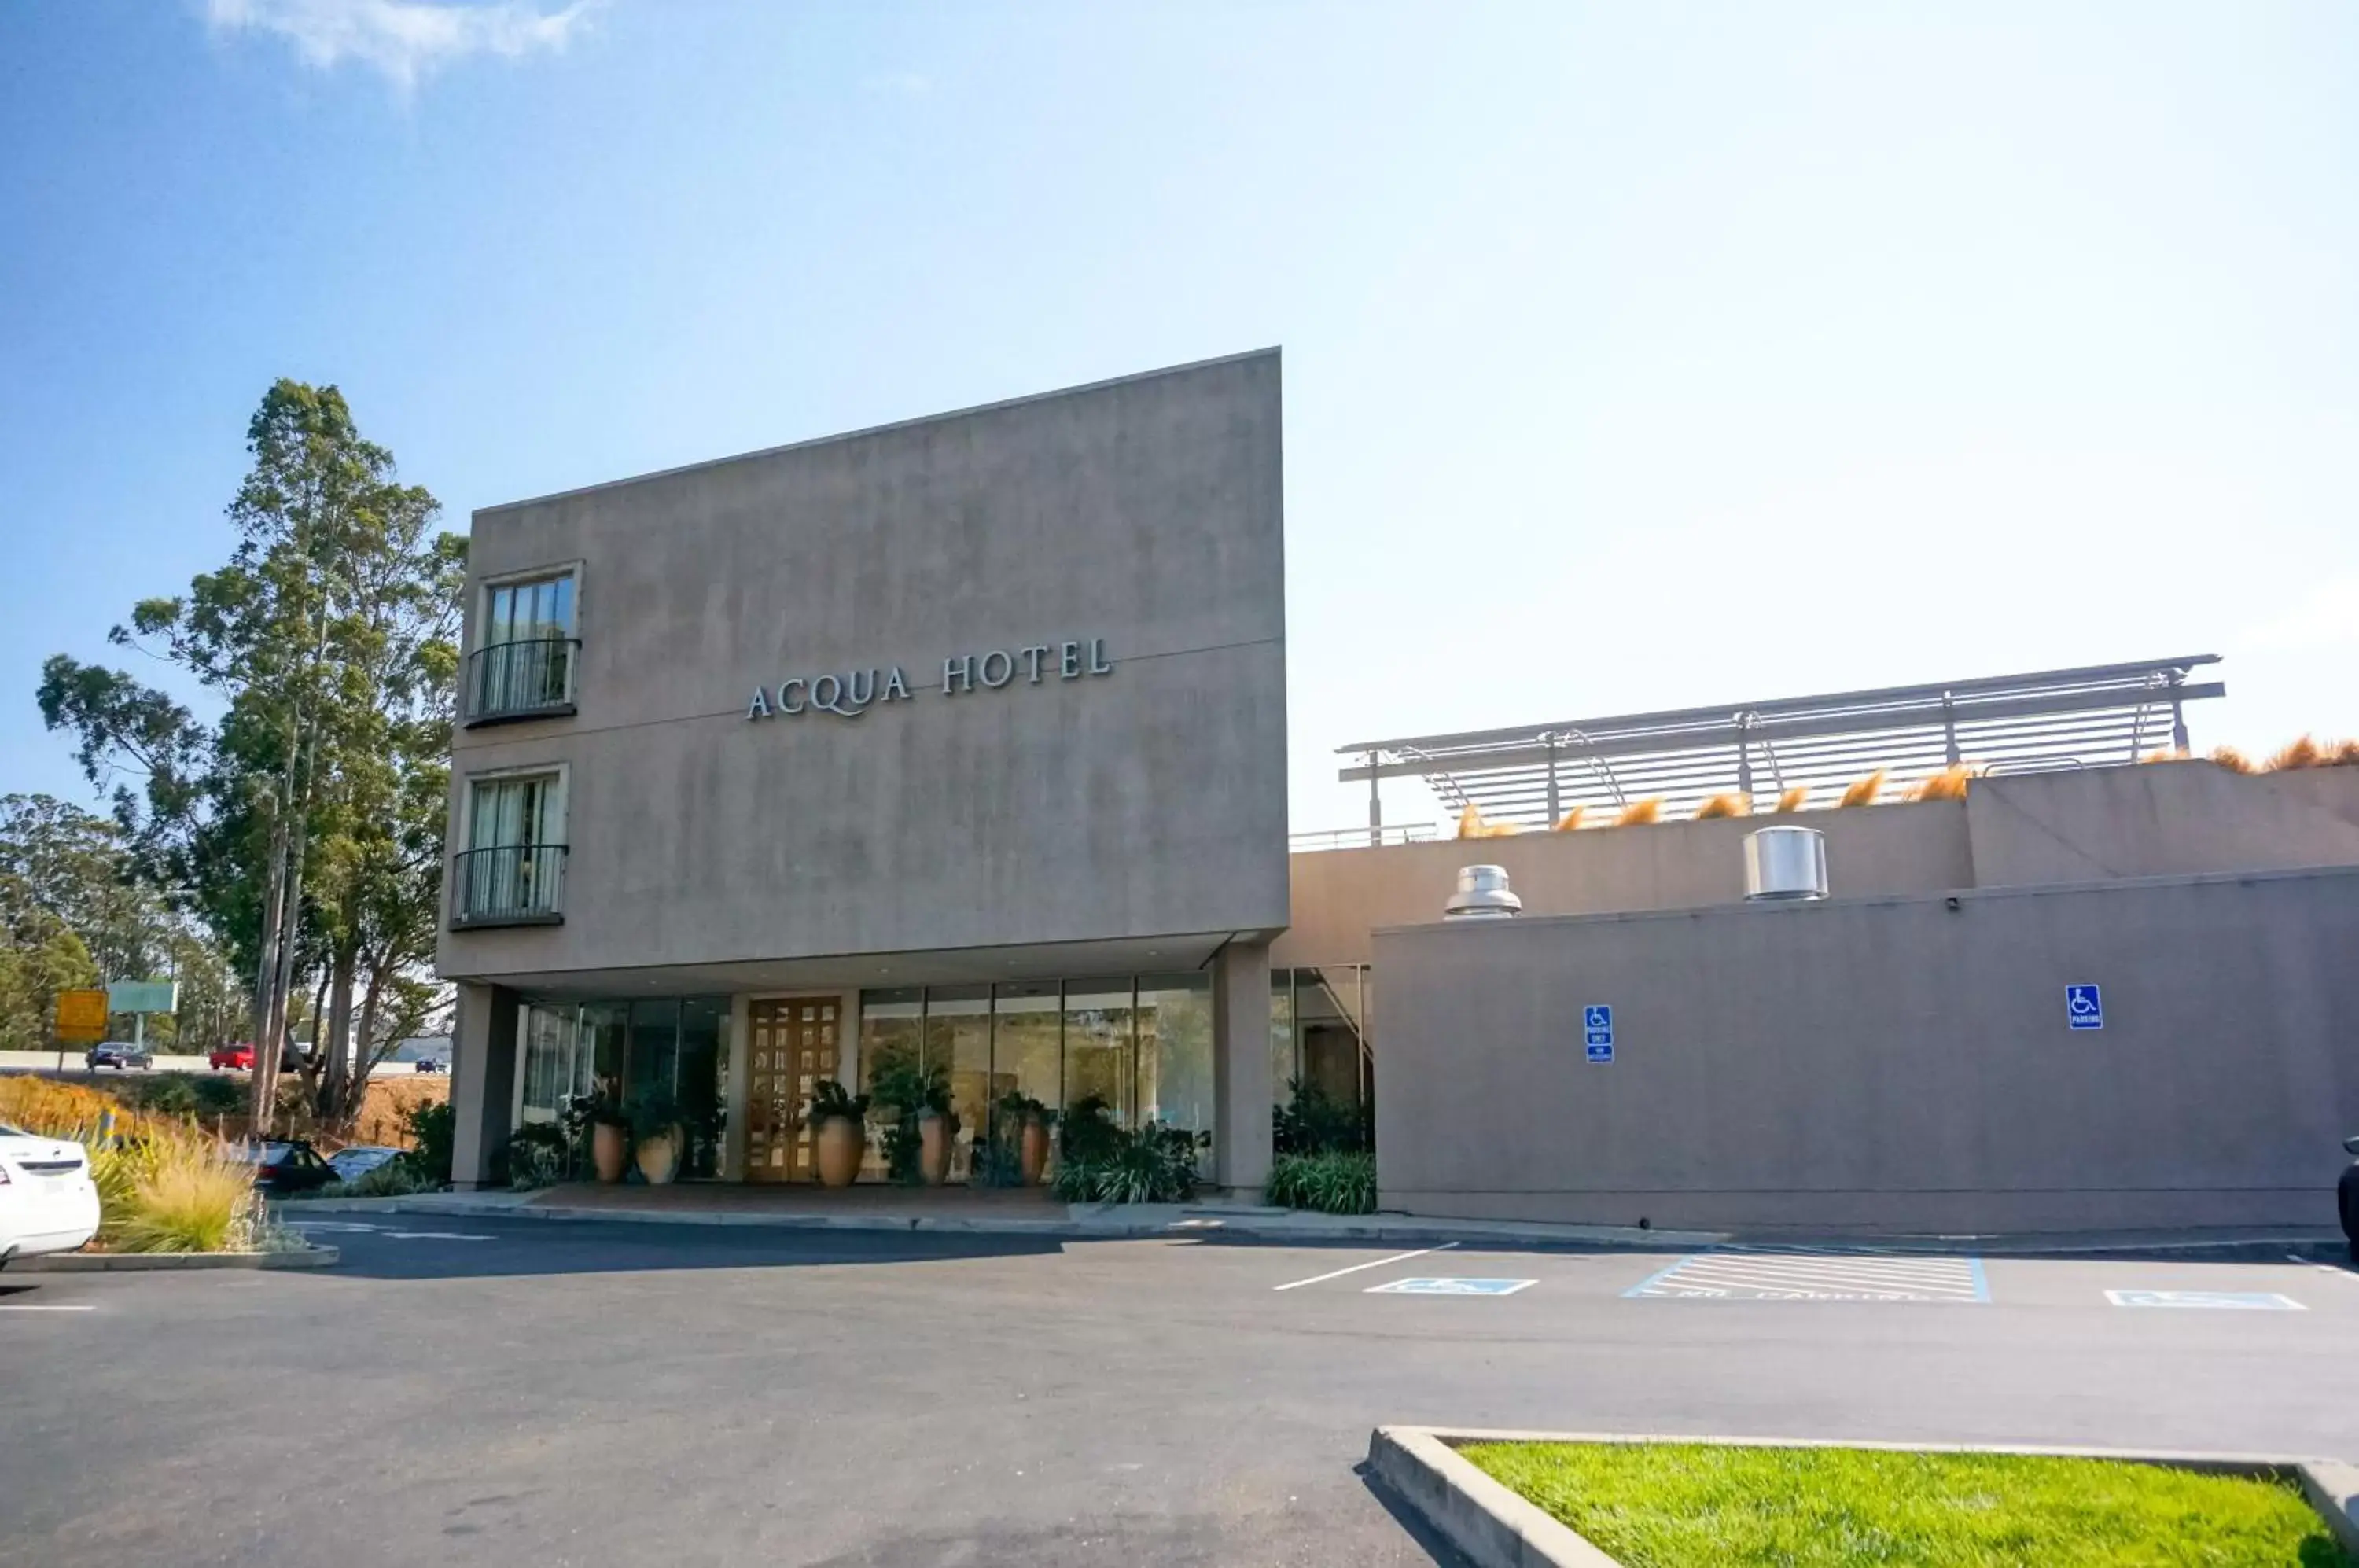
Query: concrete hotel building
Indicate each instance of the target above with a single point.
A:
(964, 741)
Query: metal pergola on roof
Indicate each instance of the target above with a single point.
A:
(1532, 774)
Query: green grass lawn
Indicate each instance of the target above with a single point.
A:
(1689, 1505)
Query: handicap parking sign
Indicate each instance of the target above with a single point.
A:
(2083, 1008)
(1451, 1286)
(1600, 1052)
(1597, 1016)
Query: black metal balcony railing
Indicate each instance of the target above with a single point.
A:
(530, 678)
(512, 885)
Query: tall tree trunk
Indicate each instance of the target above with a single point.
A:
(365, 1049)
(266, 980)
(291, 931)
(336, 1067)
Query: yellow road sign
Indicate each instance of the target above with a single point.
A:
(82, 1016)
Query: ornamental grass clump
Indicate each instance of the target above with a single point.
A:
(1793, 798)
(1730, 804)
(1340, 1182)
(1864, 791)
(1472, 825)
(1949, 784)
(1639, 813)
(199, 1197)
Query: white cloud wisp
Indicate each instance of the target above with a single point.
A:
(405, 39)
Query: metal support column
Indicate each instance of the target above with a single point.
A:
(1376, 807)
(1555, 808)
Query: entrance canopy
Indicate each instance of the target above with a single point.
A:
(2051, 719)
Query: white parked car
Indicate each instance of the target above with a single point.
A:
(46, 1201)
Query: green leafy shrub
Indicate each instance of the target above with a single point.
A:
(434, 1129)
(831, 1099)
(538, 1154)
(654, 1111)
(1341, 1181)
(906, 1091)
(217, 1096)
(1154, 1164)
(1315, 1122)
(1087, 1133)
(168, 1095)
(397, 1178)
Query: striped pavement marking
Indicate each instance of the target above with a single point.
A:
(1815, 1274)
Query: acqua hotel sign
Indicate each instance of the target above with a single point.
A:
(852, 693)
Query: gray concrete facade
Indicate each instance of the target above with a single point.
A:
(1051, 634)
(1884, 1065)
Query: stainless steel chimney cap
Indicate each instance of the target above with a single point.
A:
(1482, 895)
(1785, 863)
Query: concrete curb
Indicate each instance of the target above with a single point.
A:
(1497, 1528)
(134, 1262)
(1095, 1226)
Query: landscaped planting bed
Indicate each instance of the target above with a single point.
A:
(1671, 1505)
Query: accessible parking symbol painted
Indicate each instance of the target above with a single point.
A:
(1450, 1288)
(2220, 1300)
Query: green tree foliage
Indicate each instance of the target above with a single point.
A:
(304, 826)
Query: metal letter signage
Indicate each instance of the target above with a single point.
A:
(853, 691)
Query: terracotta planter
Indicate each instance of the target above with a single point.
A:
(842, 1143)
(606, 1150)
(933, 1147)
(658, 1158)
(1032, 1146)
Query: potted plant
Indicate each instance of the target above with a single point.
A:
(918, 1142)
(1030, 1122)
(610, 1127)
(839, 1123)
(656, 1134)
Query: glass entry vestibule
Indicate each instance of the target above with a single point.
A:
(1142, 1045)
(637, 1050)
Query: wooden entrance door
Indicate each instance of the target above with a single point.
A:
(795, 1043)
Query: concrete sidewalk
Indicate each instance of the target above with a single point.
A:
(1032, 1212)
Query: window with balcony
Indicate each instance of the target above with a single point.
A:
(511, 872)
(523, 664)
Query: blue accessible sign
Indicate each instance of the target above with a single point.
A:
(2083, 1008)
(1450, 1288)
(1597, 1033)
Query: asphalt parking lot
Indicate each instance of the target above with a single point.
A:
(496, 1391)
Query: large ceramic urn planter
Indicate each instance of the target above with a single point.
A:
(934, 1148)
(607, 1150)
(659, 1157)
(1032, 1150)
(842, 1143)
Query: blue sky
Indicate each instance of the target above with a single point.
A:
(2015, 335)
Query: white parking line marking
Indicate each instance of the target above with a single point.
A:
(436, 1235)
(2217, 1301)
(1815, 1274)
(328, 1224)
(42, 1307)
(1354, 1269)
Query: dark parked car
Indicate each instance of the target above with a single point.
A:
(432, 1064)
(286, 1165)
(2346, 1198)
(121, 1055)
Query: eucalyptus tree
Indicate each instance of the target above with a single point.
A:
(328, 641)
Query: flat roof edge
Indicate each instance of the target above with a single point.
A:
(1273, 351)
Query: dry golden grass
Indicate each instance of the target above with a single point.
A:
(199, 1197)
(1572, 819)
(1949, 784)
(59, 1110)
(2229, 757)
(1794, 798)
(1472, 825)
(1638, 813)
(1864, 791)
(1730, 804)
(2309, 753)
(2167, 754)
(390, 1100)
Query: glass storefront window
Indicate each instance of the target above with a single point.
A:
(1174, 1051)
(891, 1037)
(1100, 1051)
(958, 1043)
(1025, 1040)
(703, 1073)
(654, 1058)
(1283, 1066)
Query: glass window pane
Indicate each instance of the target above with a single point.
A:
(654, 1047)
(704, 1057)
(1282, 1066)
(958, 1041)
(1174, 1051)
(1025, 1050)
(889, 1040)
(1100, 1059)
(601, 1042)
(547, 1060)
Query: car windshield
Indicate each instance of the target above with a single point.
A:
(7, 1131)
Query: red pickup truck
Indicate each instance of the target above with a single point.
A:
(237, 1058)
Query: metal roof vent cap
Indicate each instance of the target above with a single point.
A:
(1785, 863)
(1481, 896)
